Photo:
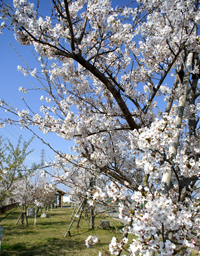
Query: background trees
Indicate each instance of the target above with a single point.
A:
(23, 194)
(107, 72)
(11, 166)
(27, 193)
(44, 193)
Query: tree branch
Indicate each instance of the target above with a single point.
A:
(70, 25)
(133, 125)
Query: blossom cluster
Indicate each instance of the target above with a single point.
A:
(115, 247)
(91, 240)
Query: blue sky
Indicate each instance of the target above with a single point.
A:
(11, 80)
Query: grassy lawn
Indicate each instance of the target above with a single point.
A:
(47, 237)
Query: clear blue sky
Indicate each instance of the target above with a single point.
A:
(11, 80)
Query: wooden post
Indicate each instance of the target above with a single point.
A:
(79, 219)
(75, 207)
(68, 231)
(18, 219)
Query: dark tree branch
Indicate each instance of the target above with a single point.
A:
(133, 125)
(146, 107)
(70, 25)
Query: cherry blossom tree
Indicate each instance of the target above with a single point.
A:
(82, 183)
(44, 192)
(105, 73)
(23, 194)
(29, 193)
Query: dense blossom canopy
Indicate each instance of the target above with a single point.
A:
(123, 83)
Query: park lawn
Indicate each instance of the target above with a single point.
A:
(47, 237)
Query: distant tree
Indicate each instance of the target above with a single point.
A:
(23, 193)
(28, 193)
(11, 166)
(44, 194)
(83, 185)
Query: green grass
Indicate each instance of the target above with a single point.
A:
(47, 237)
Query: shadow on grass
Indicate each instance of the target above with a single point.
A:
(59, 213)
(24, 233)
(12, 212)
(16, 246)
(52, 223)
(78, 232)
(53, 246)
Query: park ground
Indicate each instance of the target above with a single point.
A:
(47, 236)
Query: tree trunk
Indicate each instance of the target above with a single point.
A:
(35, 218)
(166, 179)
(22, 218)
(26, 218)
(92, 217)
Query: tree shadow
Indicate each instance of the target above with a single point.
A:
(12, 214)
(53, 246)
